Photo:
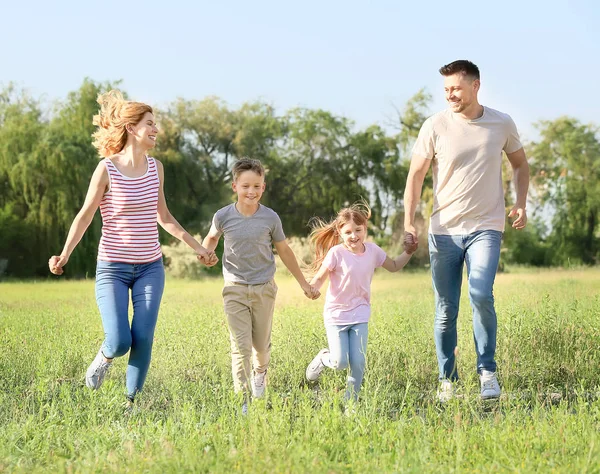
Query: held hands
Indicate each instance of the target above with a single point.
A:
(311, 292)
(56, 264)
(411, 242)
(521, 217)
(208, 258)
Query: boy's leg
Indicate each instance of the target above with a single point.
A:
(239, 321)
(262, 308)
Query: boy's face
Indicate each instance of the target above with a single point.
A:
(249, 187)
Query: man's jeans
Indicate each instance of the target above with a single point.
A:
(481, 251)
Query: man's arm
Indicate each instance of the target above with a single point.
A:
(520, 167)
(412, 194)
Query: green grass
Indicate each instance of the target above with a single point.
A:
(187, 417)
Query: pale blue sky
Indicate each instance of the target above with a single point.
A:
(538, 60)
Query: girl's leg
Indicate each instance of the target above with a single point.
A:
(146, 294)
(338, 357)
(357, 348)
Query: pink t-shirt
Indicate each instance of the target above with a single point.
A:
(348, 298)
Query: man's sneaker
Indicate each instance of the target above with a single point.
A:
(489, 385)
(259, 383)
(445, 391)
(314, 369)
(244, 408)
(97, 371)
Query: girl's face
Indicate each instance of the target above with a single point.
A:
(353, 236)
(145, 132)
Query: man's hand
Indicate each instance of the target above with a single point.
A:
(411, 241)
(520, 215)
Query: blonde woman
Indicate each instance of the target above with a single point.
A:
(127, 185)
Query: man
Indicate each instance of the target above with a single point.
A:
(465, 144)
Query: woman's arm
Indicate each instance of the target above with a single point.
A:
(98, 186)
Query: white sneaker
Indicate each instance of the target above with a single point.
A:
(259, 383)
(314, 369)
(490, 388)
(445, 391)
(97, 371)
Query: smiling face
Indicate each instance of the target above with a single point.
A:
(461, 92)
(249, 187)
(353, 236)
(144, 133)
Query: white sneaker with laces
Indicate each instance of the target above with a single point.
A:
(97, 371)
(445, 391)
(314, 369)
(259, 383)
(490, 388)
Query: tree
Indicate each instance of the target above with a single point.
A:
(566, 172)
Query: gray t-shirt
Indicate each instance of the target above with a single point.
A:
(248, 255)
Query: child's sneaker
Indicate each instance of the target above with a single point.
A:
(259, 383)
(490, 388)
(97, 371)
(314, 369)
(445, 391)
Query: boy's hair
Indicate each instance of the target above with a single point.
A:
(325, 235)
(247, 164)
(462, 66)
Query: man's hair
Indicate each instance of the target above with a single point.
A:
(247, 164)
(462, 66)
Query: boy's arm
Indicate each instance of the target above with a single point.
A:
(320, 277)
(393, 265)
(210, 243)
(289, 260)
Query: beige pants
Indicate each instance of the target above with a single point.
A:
(249, 311)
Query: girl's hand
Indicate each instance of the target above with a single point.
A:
(311, 292)
(56, 263)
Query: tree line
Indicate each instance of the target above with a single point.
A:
(317, 162)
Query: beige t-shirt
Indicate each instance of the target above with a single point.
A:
(467, 169)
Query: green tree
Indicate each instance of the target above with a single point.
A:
(566, 173)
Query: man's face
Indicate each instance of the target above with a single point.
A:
(461, 91)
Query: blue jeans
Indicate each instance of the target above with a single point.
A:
(146, 282)
(348, 347)
(481, 252)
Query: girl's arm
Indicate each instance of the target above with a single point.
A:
(98, 185)
(397, 263)
(170, 224)
(289, 260)
(320, 277)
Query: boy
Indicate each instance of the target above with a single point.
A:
(250, 230)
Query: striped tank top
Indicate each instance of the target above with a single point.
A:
(128, 209)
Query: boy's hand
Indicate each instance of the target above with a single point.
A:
(209, 259)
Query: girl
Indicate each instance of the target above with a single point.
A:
(127, 185)
(350, 266)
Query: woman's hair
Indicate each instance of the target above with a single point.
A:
(115, 115)
(325, 235)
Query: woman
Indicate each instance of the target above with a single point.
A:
(127, 185)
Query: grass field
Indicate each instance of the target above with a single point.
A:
(186, 420)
